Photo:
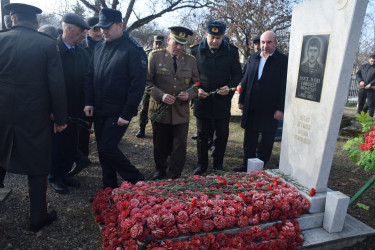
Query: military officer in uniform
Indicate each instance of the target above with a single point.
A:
(219, 68)
(31, 88)
(171, 72)
(143, 118)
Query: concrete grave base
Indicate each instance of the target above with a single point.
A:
(4, 193)
(354, 231)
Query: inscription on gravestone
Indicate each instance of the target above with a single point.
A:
(311, 68)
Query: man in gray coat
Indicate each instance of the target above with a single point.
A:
(32, 92)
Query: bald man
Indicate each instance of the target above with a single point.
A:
(262, 99)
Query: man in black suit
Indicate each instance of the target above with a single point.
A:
(262, 99)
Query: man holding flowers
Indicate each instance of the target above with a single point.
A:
(171, 72)
(219, 69)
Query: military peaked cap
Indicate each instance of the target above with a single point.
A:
(107, 17)
(15, 8)
(180, 34)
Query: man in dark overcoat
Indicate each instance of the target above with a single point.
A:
(262, 99)
(75, 61)
(219, 68)
(31, 88)
(113, 92)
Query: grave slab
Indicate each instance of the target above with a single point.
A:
(353, 232)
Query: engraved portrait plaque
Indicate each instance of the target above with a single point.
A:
(311, 67)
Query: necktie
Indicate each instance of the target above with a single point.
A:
(175, 63)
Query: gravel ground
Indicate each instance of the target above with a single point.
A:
(75, 227)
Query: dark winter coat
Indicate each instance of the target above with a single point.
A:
(366, 73)
(117, 83)
(31, 88)
(261, 100)
(215, 71)
(75, 67)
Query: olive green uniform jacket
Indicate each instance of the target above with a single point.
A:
(161, 79)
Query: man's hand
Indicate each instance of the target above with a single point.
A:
(89, 111)
(279, 115)
(122, 122)
(240, 106)
(362, 83)
(202, 94)
(168, 99)
(58, 128)
(183, 96)
(224, 90)
(368, 86)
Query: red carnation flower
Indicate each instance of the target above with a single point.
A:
(167, 219)
(242, 222)
(220, 222)
(182, 217)
(158, 233)
(154, 221)
(231, 221)
(136, 231)
(312, 192)
(240, 90)
(196, 225)
(184, 227)
(193, 203)
(197, 83)
(172, 232)
(208, 225)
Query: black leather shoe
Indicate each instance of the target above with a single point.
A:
(140, 177)
(159, 175)
(194, 137)
(200, 170)
(141, 133)
(69, 181)
(51, 216)
(219, 167)
(240, 169)
(78, 167)
(59, 187)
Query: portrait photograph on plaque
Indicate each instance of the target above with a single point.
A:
(311, 68)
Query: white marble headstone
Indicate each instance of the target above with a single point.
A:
(316, 96)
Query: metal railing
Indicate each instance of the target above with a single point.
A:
(353, 91)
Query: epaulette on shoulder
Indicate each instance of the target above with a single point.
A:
(188, 54)
(194, 45)
(158, 50)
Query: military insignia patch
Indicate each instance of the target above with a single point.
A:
(182, 34)
(187, 81)
(215, 29)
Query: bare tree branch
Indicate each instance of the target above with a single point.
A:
(128, 12)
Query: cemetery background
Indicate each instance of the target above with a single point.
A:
(76, 227)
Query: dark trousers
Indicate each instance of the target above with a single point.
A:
(368, 94)
(64, 150)
(143, 118)
(108, 136)
(2, 176)
(253, 148)
(205, 129)
(83, 143)
(38, 203)
(170, 140)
